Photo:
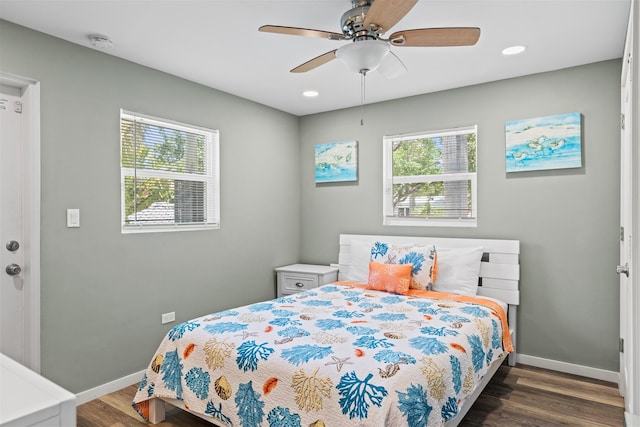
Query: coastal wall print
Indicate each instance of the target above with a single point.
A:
(542, 143)
(337, 162)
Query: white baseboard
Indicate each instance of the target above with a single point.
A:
(631, 420)
(569, 368)
(110, 387)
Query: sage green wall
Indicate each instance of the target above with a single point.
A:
(566, 220)
(103, 292)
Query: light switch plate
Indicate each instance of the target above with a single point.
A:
(73, 218)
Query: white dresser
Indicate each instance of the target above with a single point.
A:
(30, 400)
(302, 277)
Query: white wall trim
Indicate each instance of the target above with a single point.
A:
(631, 420)
(110, 387)
(569, 368)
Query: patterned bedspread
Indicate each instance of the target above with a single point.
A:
(338, 355)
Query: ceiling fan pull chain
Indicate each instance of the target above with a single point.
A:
(363, 74)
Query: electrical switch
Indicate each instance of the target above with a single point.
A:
(73, 218)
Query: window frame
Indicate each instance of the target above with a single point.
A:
(211, 178)
(389, 180)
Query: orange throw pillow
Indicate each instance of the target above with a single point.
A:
(395, 278)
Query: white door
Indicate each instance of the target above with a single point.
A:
(12, 303)
(20, 220)
(628, 197)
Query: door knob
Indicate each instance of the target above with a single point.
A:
(13, 269)
(623, 269)
(12, 246)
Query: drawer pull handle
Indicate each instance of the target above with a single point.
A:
(300, 285)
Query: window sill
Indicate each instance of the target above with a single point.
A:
(136, 229)
(430, 222)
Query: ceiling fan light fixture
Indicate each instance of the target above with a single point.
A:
(364, 55)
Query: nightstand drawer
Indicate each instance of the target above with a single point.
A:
(302, 277)
(299, 282)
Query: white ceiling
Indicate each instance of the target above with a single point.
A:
(217, 43)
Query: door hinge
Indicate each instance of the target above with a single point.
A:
(17, 107)
(621, 345)
(622, 121)
(622, 234)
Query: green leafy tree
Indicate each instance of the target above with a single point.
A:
(432, 156)
(472, 148)
(416, 157)
(151, 147)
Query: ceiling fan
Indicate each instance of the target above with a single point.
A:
(364, 24)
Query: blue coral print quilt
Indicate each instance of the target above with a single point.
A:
(338, 355)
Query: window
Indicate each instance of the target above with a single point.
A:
(169, 175)
(430, 178)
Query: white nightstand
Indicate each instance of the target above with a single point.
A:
(301, 277)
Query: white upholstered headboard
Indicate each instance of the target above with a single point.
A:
(499, 270)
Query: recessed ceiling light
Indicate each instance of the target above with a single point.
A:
(100, 41)
(310, 93)
(514, 50)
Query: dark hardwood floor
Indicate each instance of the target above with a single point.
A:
(516, 396)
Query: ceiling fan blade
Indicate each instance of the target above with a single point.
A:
(386, 13)
(305, 32)
(391, 66)
(315, 62)
(430, 37)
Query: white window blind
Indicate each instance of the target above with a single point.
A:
(430, 178)
(169, 175)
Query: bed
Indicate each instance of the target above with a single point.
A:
(347, 354)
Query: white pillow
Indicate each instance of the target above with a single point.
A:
(359, 256)
(458, 270)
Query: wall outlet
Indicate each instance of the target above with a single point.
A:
(168, 317)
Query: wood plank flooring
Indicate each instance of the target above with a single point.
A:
(516, 396)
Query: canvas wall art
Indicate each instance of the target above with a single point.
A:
(337, 162)
(542, 143)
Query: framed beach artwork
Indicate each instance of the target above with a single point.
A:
(337, 162)
(542, 143)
